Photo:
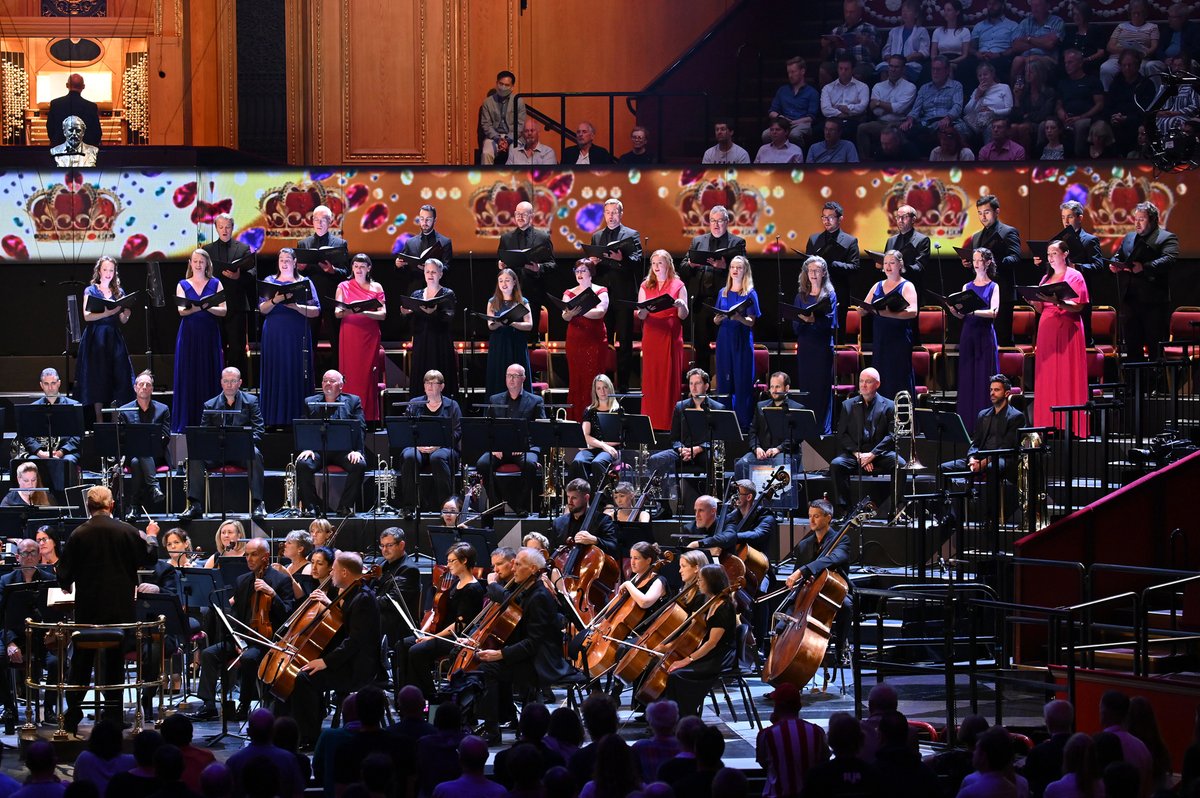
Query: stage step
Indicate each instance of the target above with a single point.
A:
(1121, 659)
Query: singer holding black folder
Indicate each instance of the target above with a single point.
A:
(509, 339)
(662, 339)
(978, 357)
(814, 340)
(442, 462)
(198, 356)
(233, 264)
(287, 344)
(433, 338)
(587, 338)
(326, 275)
(891, 354)
(105, 373)
(1060, 362)
(359, 356)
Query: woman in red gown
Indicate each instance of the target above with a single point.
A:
(1060, 361)
(662, 341)
(358, 352)
(587, 339)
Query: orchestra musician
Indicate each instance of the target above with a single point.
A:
(261, 583)
(24, 494)
(503, 560)
(756, 532)
(145, 410)
(298, 548)
(696, 456)
(533, 652)
(350, 660)
(100, 561)
(567, 527)
(593, 462)
(691, 678)
(245, 413)
(179, 547)
(642, 556)
(400, 581)
(864, 437)
(516, 403)
(58, 456)
(442, 461)
(309, 462)
(228, 541)
(764, 446)
(322, 532)
(463, 601)
(810, 550)
(624, 498)
(707, 278)
(47, 546)
(42, 658)
(996, 427)
(164, 580)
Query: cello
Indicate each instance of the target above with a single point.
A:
(614, 623)
(491, 627)
(757, 564)
(807, 614)
(589, 574)
(664, 623)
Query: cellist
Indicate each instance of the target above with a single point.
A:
(567, 526)
(810, 551)
(464, 600)
(692, 677)
(533, 652)
(275, 587)
(755, 532)
(350, 660)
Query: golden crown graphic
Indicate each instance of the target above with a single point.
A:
(941, 209)
(1111, 204)
(287, 209)
(696, 200)
(495, 205)
(73, 211)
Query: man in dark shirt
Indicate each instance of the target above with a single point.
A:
(57, 457)
(514, 403)
(1128, 87)
(14, 639)
(639, 154)
(400, 583)
(621, 273)
(1044, 763)
(309, 462)
(837, 247)
(864, 437)
(764, 446)
(531, 275)
(325, 277)
(1143, 268)
(1080, 100)
(568, 527)
(705, 279)
(996, 427)
(145, 410)
(73, 103)
(686, 454)
(239, 287)
(1084, 249)
(430, 242)
(585, 151)
(1005, 243)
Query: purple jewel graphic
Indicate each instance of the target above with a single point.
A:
(590, 217)
(253, 238)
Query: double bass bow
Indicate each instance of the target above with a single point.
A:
(807, 614)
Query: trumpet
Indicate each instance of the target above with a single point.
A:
(385, 483)
(290, 498)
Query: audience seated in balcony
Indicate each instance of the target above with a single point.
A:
(950, 146)
(992, 38)
(939, 102)
(797, 102)
(909, 40)
(779, 149)
(891, 100)
(845, 99)
(725, 151)
(1080, 100)
(1135, 34)
(833, 148)
(854, 37)
(1001, 147)
(952, 39)
(1038, 37)
(989, 101)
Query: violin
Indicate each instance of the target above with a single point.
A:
(685, 640)
(589, 575)
(807, 614)
(615, 623)
(492, 626)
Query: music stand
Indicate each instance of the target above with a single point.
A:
(627, 429)
(712, 426)
(14, 520)
(25, 600)
(197, 586)
(800, 427)
(149, 608)
(554, 433)
(220, 443)
(50, 421)
(411, 432)
(121, 440)
(311, 434)
(231, 567)
(483, 435)
(442, 538)
(941, 425)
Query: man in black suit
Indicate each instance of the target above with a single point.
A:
(765, 447)
(145, 410)
(567, 527)
(533, 653)
(100, 561)
(621, 274)
(585, 151)
(1005, 244)
(325, 277)
(43, 659)
(835, 245)
(73, 103)
(1084, 250)
(683, 454)
(811, 550)
(430, 242)
(350, 660)
(272, 586)
(706, 279)
(755, 530)
(1146, 257)
(245, 413)
(57, 458)
(353, 462)
(399, 582)
(238, 285)
(515, 403)
(865, 438)
(996, 427)
(530, 275)
(913, 246)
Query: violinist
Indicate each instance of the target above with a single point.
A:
(351, 660)
(297, 547)
(274, 588)
(451, 510)
(567, 527)
(464, 600)
(691, 678)
(624, 498)
(533, 652)
(399, 582)
(229, 541)
(811, 551)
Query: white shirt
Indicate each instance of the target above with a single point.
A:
(853, 95)
(996, 101)
(541, 155)
(769, 153)
(918, 42)
(736, 154)
(900, 94)
(952, 42)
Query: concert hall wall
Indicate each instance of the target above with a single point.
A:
(141, 215)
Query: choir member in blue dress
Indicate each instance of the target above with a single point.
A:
(814, 342)
(978, 357)
(287, 356)
(433, 340)
(735, 339)
(105, 370)
(891, 353)
(508, 343)
(198, 355)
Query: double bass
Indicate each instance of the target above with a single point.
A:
(757, 564)
(589, 574)
(807, 614)
(615, 623)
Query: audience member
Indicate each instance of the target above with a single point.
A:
(528, 768)
(989, 101)
(1142, 724)
(662, 716)
(909, 40)
(497, 127)
(438, 753)
(900, 766)
(1122, 780)
(891, 100)
(369, 737)
(1080, 777)
(1080, 99)
(1101, 143)
(585, 151)
(616, 772)
(1084, 35)
(854, 37)
(881, 700)
(1038, 37)
(1136, 34)
(1034, 101)
(103, 758)
(559, 783)
(216, 781)
(892, 147)
(954, 765)
(725, 151)
(531, 152)
(846, 98)
(796, 102)
(286, 736)
(472, 756)
(994, 776)
(847, 775)
(379, 777)
(992, 38)
(168, 773)
(710, 747)
(1001, 147)
(682, 764)
(1055, 146)
(177, 730)
(565, 734)
(42, 781)
(1177, 35)
(599, 713)
(950, 146)
(938, 103)
(729, 783)
(531, 731)
(1183, 105)
(139, 781)
(331, 738)
(790, 746)
(1124, 113)
(1114, 717)
(1043, 763)
(779, 149)
(261, 779)
(952, 40)
(833, 149)
(260, 729)
(639, 140)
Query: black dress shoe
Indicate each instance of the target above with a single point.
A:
(259, 513)
(194, 512)
(156, 495)
(134, 515)
(206, 712)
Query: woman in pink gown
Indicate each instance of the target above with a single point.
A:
(1060, 361)
(587, 340)
(358, 350)
(662, 341)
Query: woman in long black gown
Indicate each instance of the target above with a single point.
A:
(432, 341)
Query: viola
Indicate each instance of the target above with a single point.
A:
(807, 615)
(615, 623)
(437, 615)
(589, 575)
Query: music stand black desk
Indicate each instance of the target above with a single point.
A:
(127, 439)
(14, 521)
(627, 429)
(442, 538)
(798, 427)
(710, 426)
(326, 435)
(221, 444)
(231, 567)
(198, 585)
(49, 421)
(482, 435)
(554, 433)
(943, 426)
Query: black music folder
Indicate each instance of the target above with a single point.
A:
(517, 258)
(514, 314)
(204, 302)
(820, 309)
(1035, 293)
(625, 246)
(435, 251)
(98, 304)
(963, 302)
(293, 293)
(585, 301)
(356, 307)
(338, 256)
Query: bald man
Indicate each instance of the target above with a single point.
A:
(864, 438)
(531, 275)
(353, 462)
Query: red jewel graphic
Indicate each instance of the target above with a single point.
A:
(689, 176)
(374, 216)
(205, 212)
(73, 179)
(356, 195)
(135, 245)
(14, 247)
(185, 195)
(561, 186)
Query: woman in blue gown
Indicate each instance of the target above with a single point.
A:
(287, 356)
(508, 343)
(891, 353)
(735, 339)
(105, 369)
(814, 342)
(978, 357)
(198, 355)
